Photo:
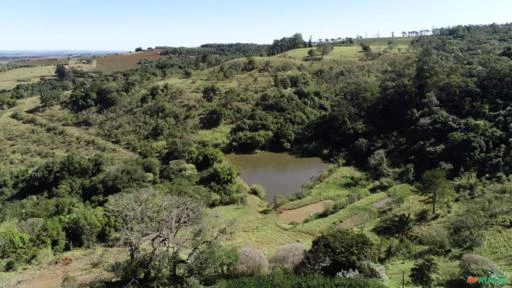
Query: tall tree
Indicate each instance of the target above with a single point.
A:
(434, 183)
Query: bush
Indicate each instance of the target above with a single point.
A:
(251, 262)
(206, 157)
(10, 265)
(337, 251)
(220, 175)
(51, 235)
(13, 244)
(211, 92)
(398, 224)
(178, 168)
(83, 226)
(423, 272)
(248, 142)
(437, 239)
(212, 118)
(287, 257)
(213, 264)
(472, 265)
(258, 190)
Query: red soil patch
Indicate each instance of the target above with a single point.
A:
(122, 62)
(300, 214)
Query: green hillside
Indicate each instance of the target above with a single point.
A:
(120, 179)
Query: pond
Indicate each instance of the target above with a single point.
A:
(279, 173)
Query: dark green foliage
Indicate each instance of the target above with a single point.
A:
(211, 92)
(324, 48)
(434, 184)
(15, 244)
(287, 43)
(212, 118)
(61, 177)
(335, 252)
(213, 264)
(82, 227)
(51, 235)
(219, 175)
(395, 225)
(423, 272)
(248, 142)
(49, 98)
(206, 157)
(116, 180)
(63, 73)
(283, 280)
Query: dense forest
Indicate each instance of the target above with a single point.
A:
(437, 119)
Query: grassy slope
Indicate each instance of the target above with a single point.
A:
(347, 52)
(9, 79)
(27, 145)
(252, 228)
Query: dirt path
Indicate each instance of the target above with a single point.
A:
(300, 214)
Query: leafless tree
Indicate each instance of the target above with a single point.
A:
(173, 226)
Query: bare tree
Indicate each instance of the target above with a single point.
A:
(175, 227)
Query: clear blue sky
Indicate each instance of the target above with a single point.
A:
(126, 24)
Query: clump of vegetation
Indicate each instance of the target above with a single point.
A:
(258, 191)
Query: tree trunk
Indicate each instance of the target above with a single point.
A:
(434, 199)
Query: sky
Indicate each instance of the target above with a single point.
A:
(126, 24)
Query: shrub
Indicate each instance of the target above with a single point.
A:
(212, 118)
(248, 142)
(287, 257)
(178, 168)
(340, 250)
(472, 265)
(83, 226)
(213, 264)
(51, 235)
(258, 191)
(206, 157)
(437, 239)
(219, 174)
(14, 244)
(423, 272)
(398, 224)
(211, 92)
(251, 262)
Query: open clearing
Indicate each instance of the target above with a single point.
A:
(10, 78)
(300, 214)
(86, 265)
(353, 52)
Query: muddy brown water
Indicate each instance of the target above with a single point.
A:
(279, 173)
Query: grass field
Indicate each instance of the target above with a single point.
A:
(44, 61)
(9, 79)
(353, 52)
